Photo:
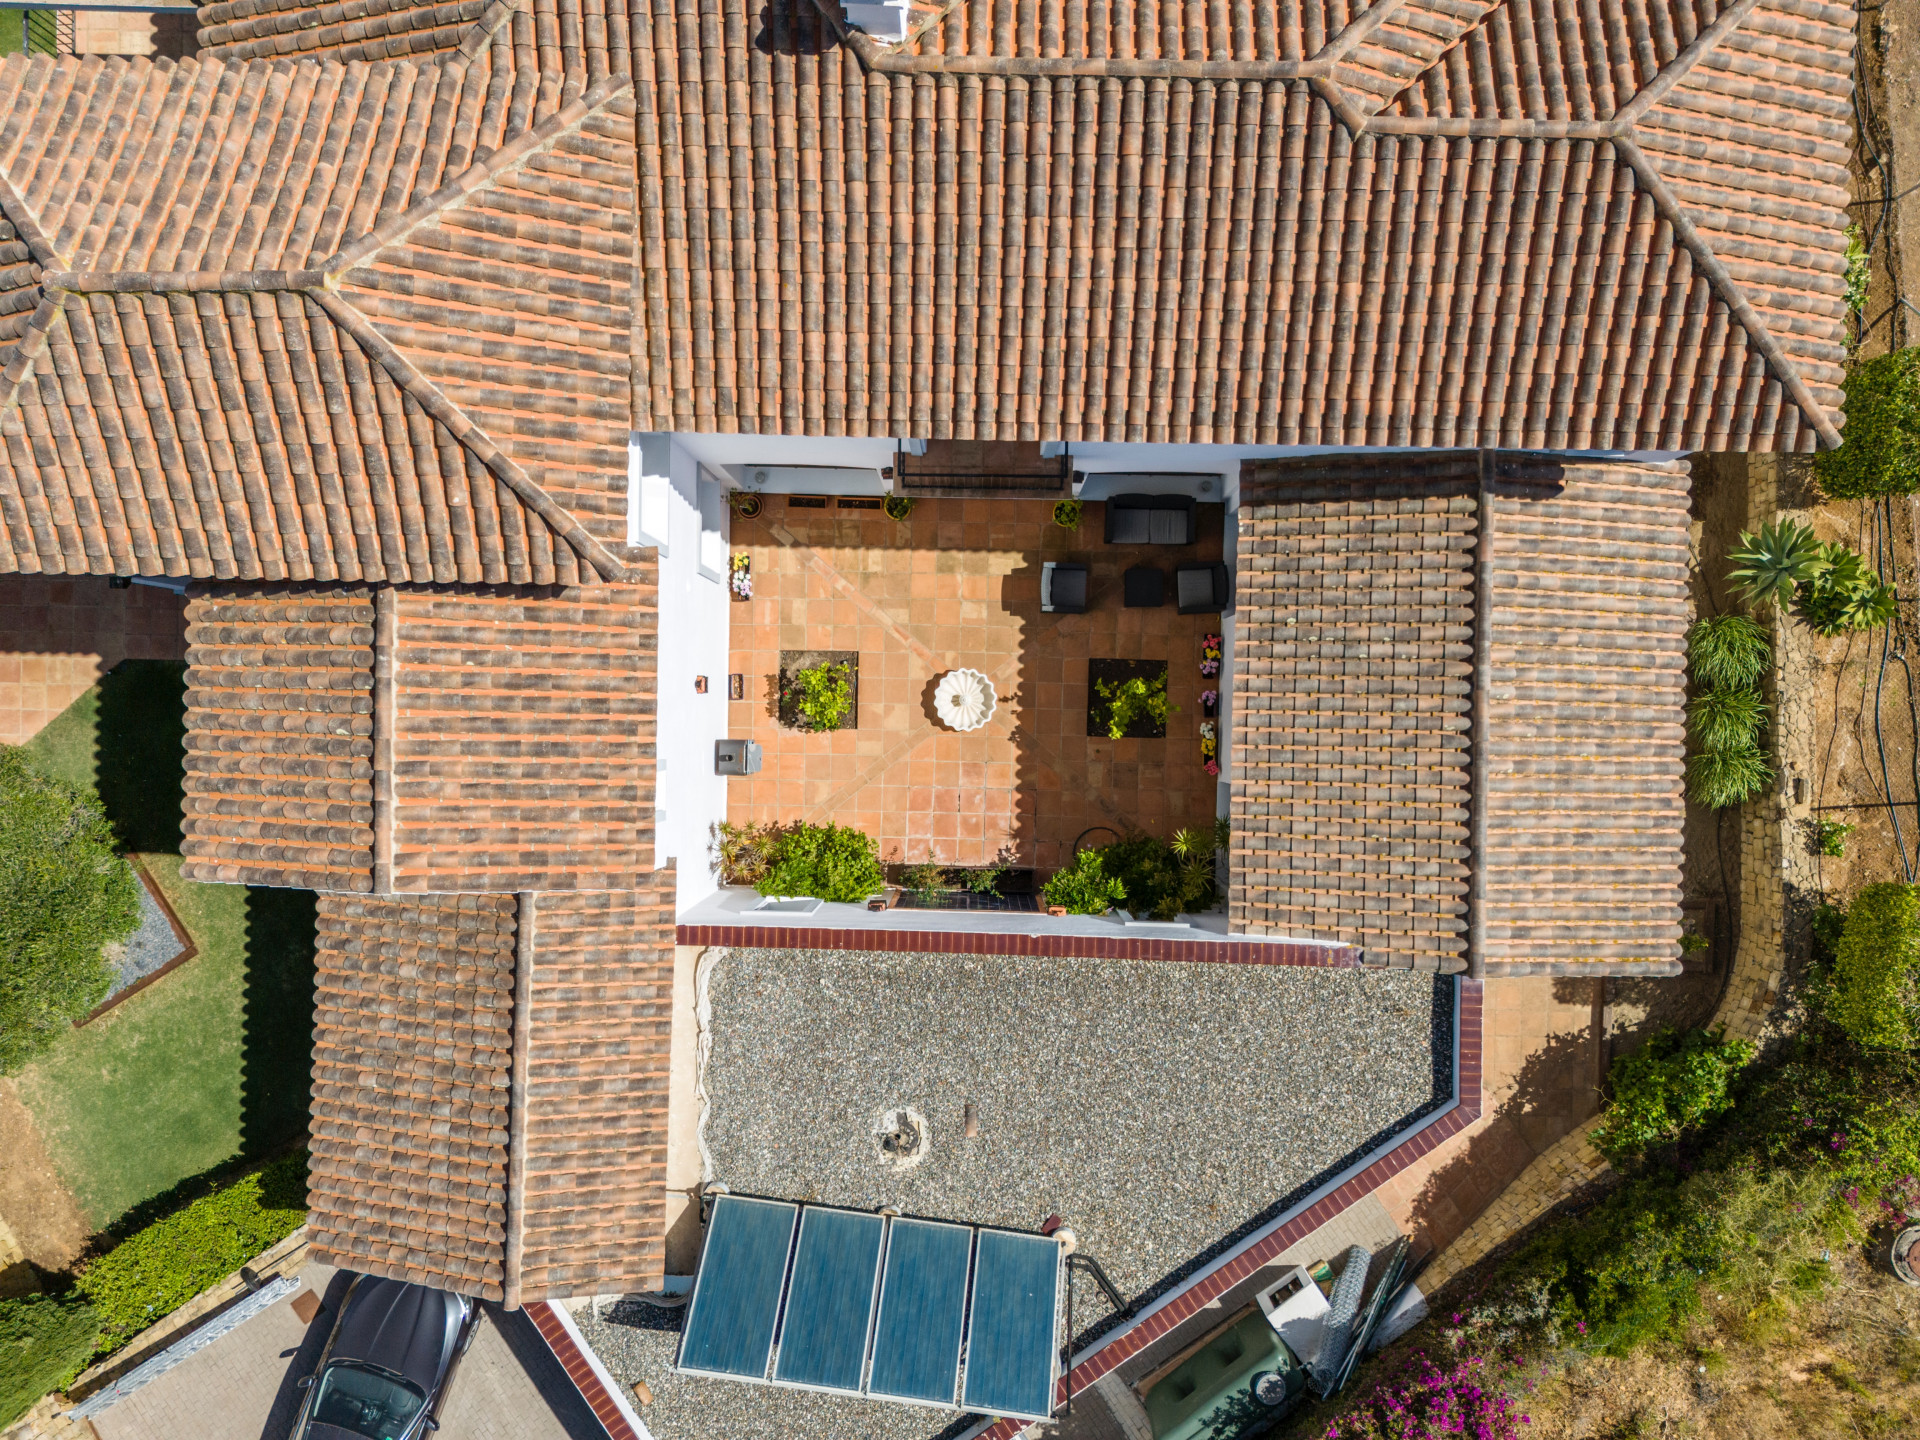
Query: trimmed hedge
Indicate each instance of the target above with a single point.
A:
(1676, 1081)
(158, 1269)
(45, 1341)
(1873, 965)
(64, 894)
(1881, 453)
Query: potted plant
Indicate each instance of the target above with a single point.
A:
(740, 576)
(1209, 703)
(1066, 514)
(899, 507)
(1210, 656)
(744, 502)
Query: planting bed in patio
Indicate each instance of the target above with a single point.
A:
(1119, 672)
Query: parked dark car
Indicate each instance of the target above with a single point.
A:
(387, 1363)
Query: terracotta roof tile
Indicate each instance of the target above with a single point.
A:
(490, 740)
(1029, 225)
(314, 322)
(441, 1157)
(1353, 776)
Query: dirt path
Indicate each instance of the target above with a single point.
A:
(35, 1203)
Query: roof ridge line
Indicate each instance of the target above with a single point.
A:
(31, 346)
(485, 28)
(27, 225)
(1655, 90)
(1358, 29)
(891, 59)
(467, 431)
(475, 177)
(1717, 276)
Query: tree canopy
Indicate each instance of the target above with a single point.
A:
(65, 894)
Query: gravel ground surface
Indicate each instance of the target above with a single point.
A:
(1156, 1107)
(148, 948)
(633, 1345)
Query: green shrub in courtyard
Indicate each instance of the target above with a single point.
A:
(1677, 1080)
(1770, 566)
(829, 862)
(1085, 888)
(65, 893)
(1881, 453)
(1159, 882)
(157, 1269)
(1874, 967)
(45, 1341)
(1132, 701)
(819, 697)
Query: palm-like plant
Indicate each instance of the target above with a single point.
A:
(1727, 652)
(1719, 778)
(1770, 564)
(1726, 719)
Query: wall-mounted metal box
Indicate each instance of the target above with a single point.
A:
(736, 757)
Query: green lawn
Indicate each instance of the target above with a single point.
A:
(210, 1062)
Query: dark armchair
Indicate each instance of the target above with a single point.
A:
(1202, 589)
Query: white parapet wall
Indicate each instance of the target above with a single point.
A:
(673, 505)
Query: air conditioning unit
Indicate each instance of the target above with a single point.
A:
(883, 22)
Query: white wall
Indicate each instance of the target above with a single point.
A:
(688, 797)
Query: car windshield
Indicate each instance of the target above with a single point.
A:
(366, 1401)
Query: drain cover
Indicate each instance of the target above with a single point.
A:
(901, 1137)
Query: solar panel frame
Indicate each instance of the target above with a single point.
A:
(969, 1400)
(880, 1310)
(780, 1350)
(704, 1273)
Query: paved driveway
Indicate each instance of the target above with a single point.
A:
(241, 1387)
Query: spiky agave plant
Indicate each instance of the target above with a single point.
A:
(1770, 564)
(1726, 719)
(1719, 778)
(1727, 652)
(1846, 595)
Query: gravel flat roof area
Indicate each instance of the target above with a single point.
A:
(1159, 1108)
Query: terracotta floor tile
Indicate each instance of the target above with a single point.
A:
(962, 581)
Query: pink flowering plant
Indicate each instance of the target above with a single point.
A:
(1210, 653)
(1464, 1397)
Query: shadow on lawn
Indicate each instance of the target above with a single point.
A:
(140, 752)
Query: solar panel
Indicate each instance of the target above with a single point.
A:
(877, 1300)
(736, 1296)
(823, 1344)
(923, 1300)
(1012, 1324)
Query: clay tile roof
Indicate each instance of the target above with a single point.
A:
(490, 1090)
(361, 322)
(1159, 223)
(408, 741)
(1366, 806)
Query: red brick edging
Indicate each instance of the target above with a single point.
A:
(559, 1336)
(1209, 1285)
(976, 942)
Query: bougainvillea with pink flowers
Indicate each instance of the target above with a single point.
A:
(1431, 1403)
